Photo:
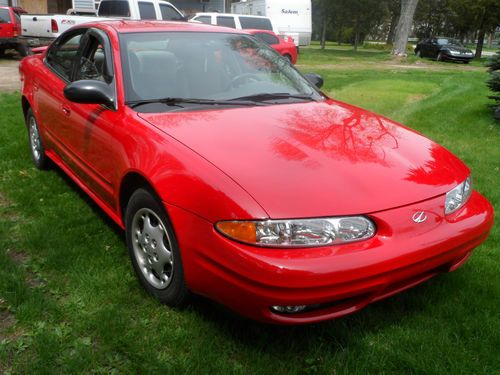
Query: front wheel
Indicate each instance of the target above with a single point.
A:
(418, 53)
(35, 140)
(153, 249)
(440, 56)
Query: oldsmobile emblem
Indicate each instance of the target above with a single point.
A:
(419, 217)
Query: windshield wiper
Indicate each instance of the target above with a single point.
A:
(179, 101)
(274, 95)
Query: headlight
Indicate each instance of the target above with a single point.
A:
(454, 52)
(457, 197)
(299, 232)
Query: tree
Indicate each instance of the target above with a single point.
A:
(404, 26)
(493, 83)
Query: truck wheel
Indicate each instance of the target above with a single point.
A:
(2, 52)
(24, 50)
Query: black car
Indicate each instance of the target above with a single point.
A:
(442, 48)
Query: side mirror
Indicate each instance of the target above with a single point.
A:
(315, 79)
(90, 92)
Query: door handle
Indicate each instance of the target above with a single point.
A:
(66, 111)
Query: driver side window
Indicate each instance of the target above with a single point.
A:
(92, 64)
(62, 55)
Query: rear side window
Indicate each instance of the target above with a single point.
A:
(204, 19)
(267, 38)
(255, 23)
(61, 56)
(115, 8)
(4, 16)
(169, 13)
(146, 10)
(226, 21)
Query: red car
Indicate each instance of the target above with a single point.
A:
(235, 178)
(10, 30)
(285, 47)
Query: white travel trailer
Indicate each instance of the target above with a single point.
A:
(289, 16)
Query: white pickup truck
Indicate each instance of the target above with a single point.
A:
(42, 29)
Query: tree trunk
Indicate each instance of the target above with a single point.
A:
(480, 42)
(356, 41)
(490, 40)
(480, 37)
(392, 28)
(323, 34)
(404, 26)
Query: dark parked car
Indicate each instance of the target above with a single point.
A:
(442, 48)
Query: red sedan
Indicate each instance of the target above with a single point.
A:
(285, 47)
(236, 178)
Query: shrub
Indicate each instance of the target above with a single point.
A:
(493, 83)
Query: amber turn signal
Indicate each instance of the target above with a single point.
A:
(244, 231)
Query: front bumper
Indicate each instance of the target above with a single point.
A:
(9, 42)
(458, 57)
(333, 280)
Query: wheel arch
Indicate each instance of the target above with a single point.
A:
(129, 184)
(25, 105)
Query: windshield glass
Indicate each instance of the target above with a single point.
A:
(448, 41)
(209, 66)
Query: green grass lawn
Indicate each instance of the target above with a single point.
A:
(69, 302)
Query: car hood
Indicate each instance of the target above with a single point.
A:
(316, 159)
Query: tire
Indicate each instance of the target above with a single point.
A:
(288, 57)
(24, 50)
(153, 249)
(2, 52)
(440, 57)
(35, 141)
(418, 53)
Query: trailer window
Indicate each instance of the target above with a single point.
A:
(256, 23)
(226, 21)
(146, 11)
(115, 8)
(169, 13)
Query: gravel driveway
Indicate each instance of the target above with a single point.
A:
(9, 75)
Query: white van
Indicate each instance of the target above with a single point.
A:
(288, 16)
(236, 21)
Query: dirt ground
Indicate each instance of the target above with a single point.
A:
(9, 75)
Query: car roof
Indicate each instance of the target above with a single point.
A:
(130, 26)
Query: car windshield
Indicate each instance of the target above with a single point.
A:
(211, 67)
(448, 41)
